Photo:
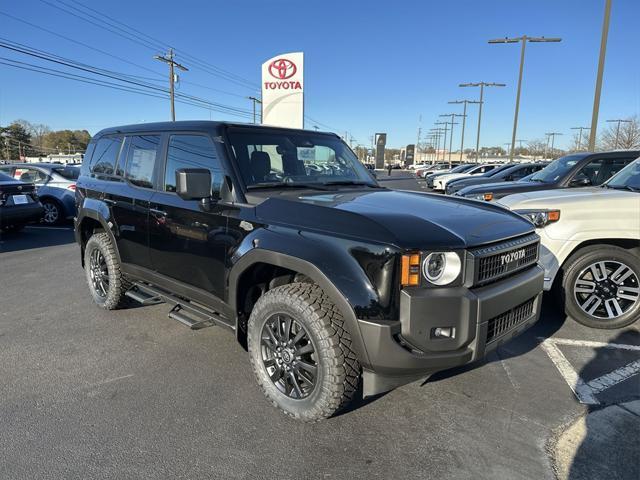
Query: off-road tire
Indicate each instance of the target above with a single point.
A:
(118, 284)
(338, 368)
(576, 264)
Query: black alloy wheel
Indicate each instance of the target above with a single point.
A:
(289, 356)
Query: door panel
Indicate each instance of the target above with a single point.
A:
(188, 241)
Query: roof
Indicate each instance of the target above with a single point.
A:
(193, 125)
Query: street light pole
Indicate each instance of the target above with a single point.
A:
(579, 135)
(523, 40)
(453, 116)
(553, 139)
(444, 143)
(619, 121)
(464, 121)
(168, 59)
(596, 97)
(481, 101)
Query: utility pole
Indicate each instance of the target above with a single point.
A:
(444, 143)
(481, 85)
(453, 116)
(254, 100)
(596, 97)
(523, 40)
(619, 121)
(168, 59)
(437, 133)
(580, 135)
(464, 121)
(507, 145)
(520, 144)
(316, 128)
(553, 139)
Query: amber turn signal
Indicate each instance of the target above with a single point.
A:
(410, 272)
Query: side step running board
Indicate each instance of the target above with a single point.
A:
(192, 315)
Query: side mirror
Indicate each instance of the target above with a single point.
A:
(580, 182)
(193, 183)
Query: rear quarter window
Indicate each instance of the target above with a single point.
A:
(105, 156)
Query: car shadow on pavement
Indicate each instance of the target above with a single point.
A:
(551, 320)
(34, 237)
(605, 442)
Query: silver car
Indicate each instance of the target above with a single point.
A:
(56, 185)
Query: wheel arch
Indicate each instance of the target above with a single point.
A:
(259, 257)
(90, 223)
(633, 245)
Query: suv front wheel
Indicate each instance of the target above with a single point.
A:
(300, 353)
(601, 287)
(106, 281)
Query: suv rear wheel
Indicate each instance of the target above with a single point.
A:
(300, 353)
(601, 287)
(106, 281)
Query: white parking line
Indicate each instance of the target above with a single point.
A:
(586, 391)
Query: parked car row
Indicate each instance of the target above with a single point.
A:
(55, 185)
(586, 209)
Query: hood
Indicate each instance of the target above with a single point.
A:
(558, 197)
(408, 220)
(506, 188)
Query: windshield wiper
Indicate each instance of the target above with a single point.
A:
(310, 186)
(351, 182)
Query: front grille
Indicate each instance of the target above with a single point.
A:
(497, 261)
(503, 323)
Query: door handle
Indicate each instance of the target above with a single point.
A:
(158, 212)
(108, 201)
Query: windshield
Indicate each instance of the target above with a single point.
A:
(556, 169)
(274, 158)
(460, 168)
(628, 177)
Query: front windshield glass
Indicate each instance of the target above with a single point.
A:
(627, 178)
(556, 169)
(273, 158)
(497, 170)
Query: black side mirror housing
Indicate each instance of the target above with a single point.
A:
(193, 183)
(580, 182)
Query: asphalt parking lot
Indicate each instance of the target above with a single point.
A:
(132, 394)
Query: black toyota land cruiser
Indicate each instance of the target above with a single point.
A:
(328, 279)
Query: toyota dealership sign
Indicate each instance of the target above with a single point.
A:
(283, 90)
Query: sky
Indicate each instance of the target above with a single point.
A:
(370, 66)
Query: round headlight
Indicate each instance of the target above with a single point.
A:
(441, 268)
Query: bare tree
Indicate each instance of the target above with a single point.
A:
(628, 138)
(536, 147)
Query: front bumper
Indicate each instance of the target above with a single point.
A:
(406, 350)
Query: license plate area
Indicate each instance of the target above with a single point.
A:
(19, 199)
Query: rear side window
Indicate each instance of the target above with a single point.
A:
(191, 151)
(105, 155)
(70, 173)
(141, 159)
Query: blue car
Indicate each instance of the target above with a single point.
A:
(56, 186)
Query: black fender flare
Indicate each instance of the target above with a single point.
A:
(278, 259)
(94, 215)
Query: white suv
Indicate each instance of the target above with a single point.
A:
(440, 183)
(590, 246)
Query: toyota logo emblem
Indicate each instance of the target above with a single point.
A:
(282, 68)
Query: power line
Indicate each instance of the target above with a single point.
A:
(138, 38)
(77, 42)
(111, 74)
(102, 83)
